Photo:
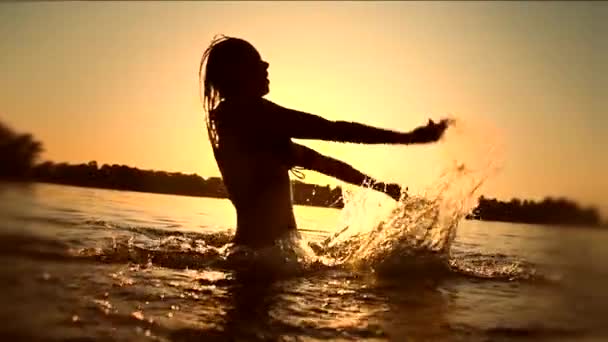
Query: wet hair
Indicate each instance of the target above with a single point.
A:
(220, 62)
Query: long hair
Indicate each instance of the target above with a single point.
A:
(209, 93)
(221, 61)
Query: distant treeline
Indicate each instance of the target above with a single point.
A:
(548, 211)
(123, 177)
(19, 154)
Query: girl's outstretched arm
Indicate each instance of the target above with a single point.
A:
(313, 160)
(301, 125)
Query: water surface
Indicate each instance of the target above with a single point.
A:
(90, 264)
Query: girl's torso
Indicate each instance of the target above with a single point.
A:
(254, 166)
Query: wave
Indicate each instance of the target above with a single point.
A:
(294, 256)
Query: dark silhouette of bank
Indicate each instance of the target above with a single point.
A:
(251, 140)
(122, 177)
(549, 211)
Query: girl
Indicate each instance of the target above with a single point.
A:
(251, 140)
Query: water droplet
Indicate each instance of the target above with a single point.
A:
(46, 276)
(75, 318)
(169, 314)
(138, 315)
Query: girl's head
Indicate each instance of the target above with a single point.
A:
(233, 68)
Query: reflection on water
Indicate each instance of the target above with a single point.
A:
(107, 265)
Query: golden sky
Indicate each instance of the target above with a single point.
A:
(117, 83)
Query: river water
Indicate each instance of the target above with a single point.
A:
(82, 264)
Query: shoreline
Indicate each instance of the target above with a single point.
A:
(468, 217)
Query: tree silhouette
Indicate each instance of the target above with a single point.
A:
(18, 153)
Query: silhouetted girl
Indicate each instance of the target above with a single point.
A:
(251, 139)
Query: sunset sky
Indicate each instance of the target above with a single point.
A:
(117, 83)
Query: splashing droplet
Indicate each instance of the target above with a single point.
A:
(138, 315)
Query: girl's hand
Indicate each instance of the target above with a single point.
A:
(432, 132)
(392, 189)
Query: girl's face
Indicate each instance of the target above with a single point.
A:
(237, 69)
(254, 72)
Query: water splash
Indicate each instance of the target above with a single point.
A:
(418, 231)
(418, 226)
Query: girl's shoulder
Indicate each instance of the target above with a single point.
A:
(259, 107)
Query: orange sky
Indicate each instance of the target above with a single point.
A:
(117, 83)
